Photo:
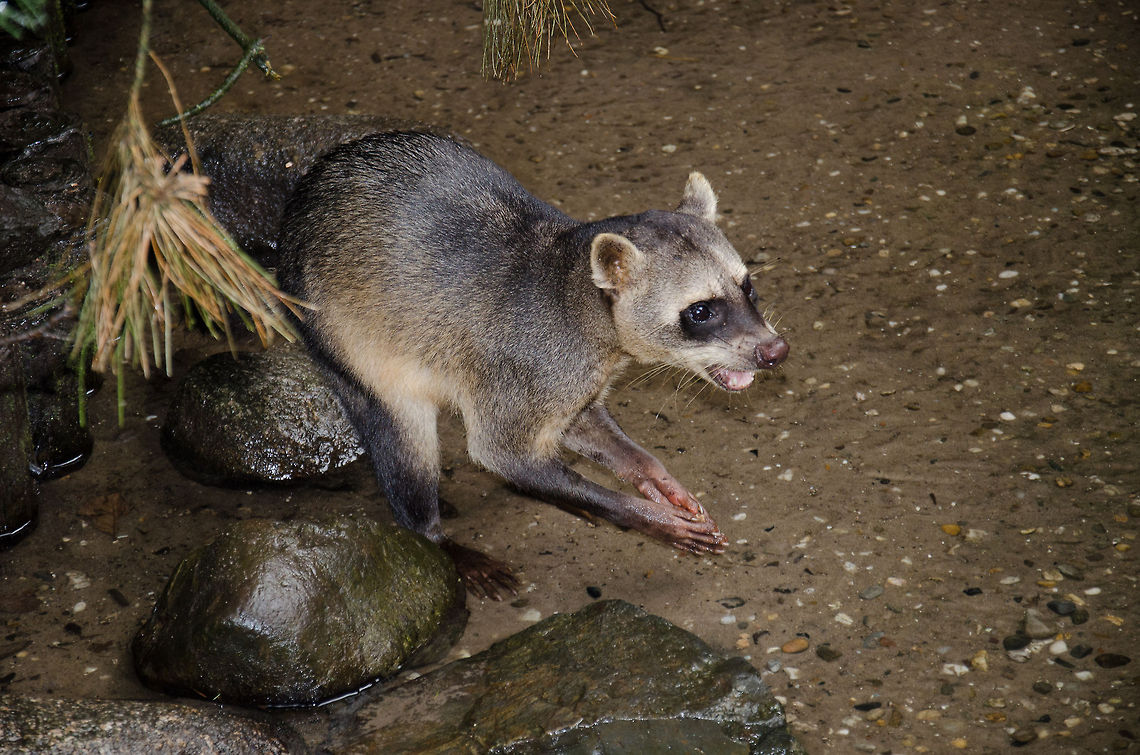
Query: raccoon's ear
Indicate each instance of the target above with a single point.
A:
(699, 198)
(614, 261)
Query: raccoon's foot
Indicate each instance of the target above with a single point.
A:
(685, 530)
(660, 487)
(484, 577)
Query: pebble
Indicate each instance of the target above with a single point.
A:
(951, 529)
(1023, 736)
(1080, 651)
(1111, 660)
(796, 645)
(1062, 607)
(1084, 676)
(1079, 616)
(1070, 571)
(1033, 627)
(1042, 687)
(871, 592)
(980, 660)
(827, 653)
(1015, 642)
(1058, 647)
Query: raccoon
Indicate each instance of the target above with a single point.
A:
(438, 282)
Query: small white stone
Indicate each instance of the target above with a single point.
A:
(1083, 675)
(1058, 647)
(532, 615)
(1008, 274)
(955, 669)
(1008, 416)
(669, 148)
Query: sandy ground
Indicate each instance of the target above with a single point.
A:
(942, 197)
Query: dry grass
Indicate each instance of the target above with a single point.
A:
(154, 247)
(518, 32)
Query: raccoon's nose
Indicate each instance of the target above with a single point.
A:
(771, 353)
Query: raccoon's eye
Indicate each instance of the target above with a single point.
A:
(702, 318)
(749, 291)
(699, 312)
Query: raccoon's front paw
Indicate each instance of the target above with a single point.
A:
(484, 577)
(661, 487)
(694, 532)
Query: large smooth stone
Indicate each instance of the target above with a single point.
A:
(264, 417)
(295, 613)
(609, 678)
(79, 727)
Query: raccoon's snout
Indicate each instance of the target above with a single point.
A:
(771, 353)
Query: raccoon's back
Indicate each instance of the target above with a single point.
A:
(412, 243)
(410, 205)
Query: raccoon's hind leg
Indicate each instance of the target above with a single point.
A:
(403, 442)
(596, 435)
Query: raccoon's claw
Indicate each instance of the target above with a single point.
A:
(484, 577)
(701, 543)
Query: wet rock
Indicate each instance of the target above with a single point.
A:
(61, 183)
(263, 417)
(26, 131)
(27, 228)
(274, 613)
(607, 678)
(60, 444)
(60, 726)
(254, 163)
(19, 503)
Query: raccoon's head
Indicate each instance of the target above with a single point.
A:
(681, 295)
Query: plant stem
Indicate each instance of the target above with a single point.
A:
(254, 52)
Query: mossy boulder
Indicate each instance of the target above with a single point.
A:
(263, 417)
(295, 613)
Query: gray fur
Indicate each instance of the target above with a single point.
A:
(437, 281)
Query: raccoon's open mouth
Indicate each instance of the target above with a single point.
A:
(731, 380)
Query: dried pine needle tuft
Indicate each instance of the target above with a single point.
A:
(518, 32)
(154, 246)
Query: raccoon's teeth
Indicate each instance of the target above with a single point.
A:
(731, 380)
